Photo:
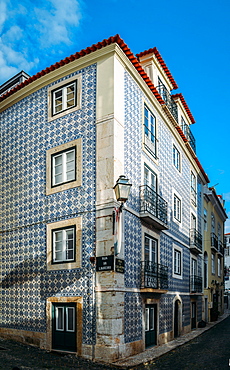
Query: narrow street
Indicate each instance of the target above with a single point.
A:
(210, 350)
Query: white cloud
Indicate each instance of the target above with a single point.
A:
(30, 33)
(226, 197)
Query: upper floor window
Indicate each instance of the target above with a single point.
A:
(176, 158)
(150, 140)
(64, 245)
(213, 223)
(193, 189)
(63, 167)
(177, 208)
(219, 266)
(213, 264)
(150, 249)
(150, 178)
(64, 97)
(205, 219)
(177, 262)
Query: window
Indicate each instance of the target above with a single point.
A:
(205, 219)
(213, 223)
(176, 158)
(150, 178)
(150, 249)
(177, 208)
(193, 189)
(63, 167)
(64, 97)
(213, 264)
(177, 262)
(150, 141)
(219, 266)
(64, 244)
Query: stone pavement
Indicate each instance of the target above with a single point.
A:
(152, 353)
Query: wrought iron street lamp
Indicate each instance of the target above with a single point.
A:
(122, 190)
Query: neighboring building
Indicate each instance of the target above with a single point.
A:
(67, 134)
(227, 262)
(214, 219)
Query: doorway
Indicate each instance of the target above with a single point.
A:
(193, 316)
(150, 325)
(64, 327)
(176, 318)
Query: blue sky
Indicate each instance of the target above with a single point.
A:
(192, 37)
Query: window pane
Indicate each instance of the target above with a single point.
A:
(146, 319)
(151, 318)
(70, 319)
(60, 318)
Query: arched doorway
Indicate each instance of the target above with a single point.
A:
(177, 316)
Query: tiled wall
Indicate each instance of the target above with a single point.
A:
(26, 135)
(169, 179)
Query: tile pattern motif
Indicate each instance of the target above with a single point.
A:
(26, 135)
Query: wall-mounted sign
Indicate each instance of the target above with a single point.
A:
(119, 265)
(105, 263)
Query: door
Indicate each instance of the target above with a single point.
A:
(64, 327)
(193, 316)
(176, 319)
(150, 325)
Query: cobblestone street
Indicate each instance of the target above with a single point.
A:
(210, 350)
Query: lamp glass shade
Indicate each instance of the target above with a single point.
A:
(122, 189)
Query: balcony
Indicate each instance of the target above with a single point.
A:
(195, 284)
(188, 134)
(220, 248)
(214, 242)
(168, 100)
(154, 276)
(195, 241)
(153, 208)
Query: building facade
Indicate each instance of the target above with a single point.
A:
(79, 275)
(227, 262)
(214, 218)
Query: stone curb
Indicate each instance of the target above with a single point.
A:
(153, 353)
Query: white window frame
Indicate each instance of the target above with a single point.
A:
(149, 175)
(64, 245)
(67, 319)
(150, 132)
(177, 208)
(61, 225)
(205, 219)
(193, 189)
(213, 263)
(177, 267)
(176, 158)
(65, 167)
(52, 153)
(63, 88)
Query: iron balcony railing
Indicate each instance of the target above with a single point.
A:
(168, 100)
(153, 203)
(220, 247)
(154, 275)
(188, 133)
(195, 239)
(214, 241)
(195, 284)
